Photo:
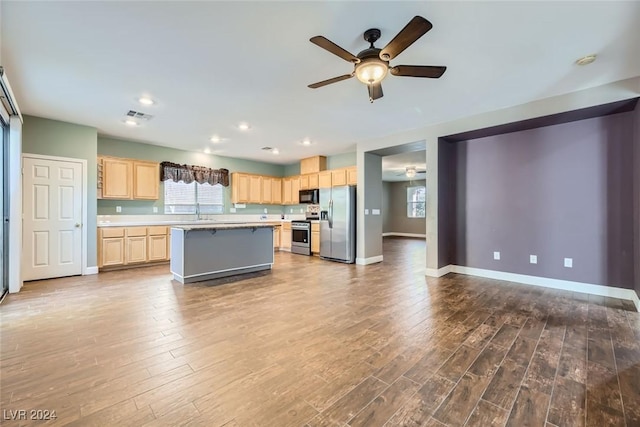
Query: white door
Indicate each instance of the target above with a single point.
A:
(52, 215)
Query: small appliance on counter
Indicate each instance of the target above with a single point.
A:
(313, 212)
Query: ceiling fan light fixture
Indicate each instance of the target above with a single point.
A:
(371, 71)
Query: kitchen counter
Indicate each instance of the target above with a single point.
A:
(186, 223)
(210, 251)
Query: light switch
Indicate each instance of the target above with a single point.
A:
(366, 211)
(568, 262)
(533, 259)
(496, 255)
(375, 211)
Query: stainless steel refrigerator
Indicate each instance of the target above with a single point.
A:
(338, 224)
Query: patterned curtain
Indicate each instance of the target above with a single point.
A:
(189, 173)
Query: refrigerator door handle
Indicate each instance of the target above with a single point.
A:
(331, 213)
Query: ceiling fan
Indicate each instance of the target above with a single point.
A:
(412, 171)
(372, 64)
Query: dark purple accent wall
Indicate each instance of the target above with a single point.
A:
(636, 181)
(559, 191)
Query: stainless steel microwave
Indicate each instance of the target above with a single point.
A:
(309, 196)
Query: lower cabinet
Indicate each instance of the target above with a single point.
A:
(112, 249)
(157, 248)
(121, 246)
(315, 237)
(276, 238)
(285, 236)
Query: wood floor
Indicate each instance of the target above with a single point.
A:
(317, 343)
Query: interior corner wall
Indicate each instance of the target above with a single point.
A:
(386, 189)
(636, 183)
(55, 138)
(563, 191)
(446, 202)
(373, 200)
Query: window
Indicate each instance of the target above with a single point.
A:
(416, 202)
(181, 198)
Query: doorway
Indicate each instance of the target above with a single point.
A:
(54, 208)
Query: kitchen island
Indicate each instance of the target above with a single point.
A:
(211, 251)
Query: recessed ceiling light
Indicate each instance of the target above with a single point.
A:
(216, 138)
(130, 122)
(275, 151)
(146, 100)
(306, 141)
(244, 126)
(585, 60)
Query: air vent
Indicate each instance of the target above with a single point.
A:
(139, 115)
(266, 148)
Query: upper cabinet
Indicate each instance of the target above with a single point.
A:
(313, 165)
(324, 179)
(352, 175)
(127, 179)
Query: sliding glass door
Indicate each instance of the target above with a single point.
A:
(4, 207)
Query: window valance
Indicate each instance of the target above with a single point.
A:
(189, 173)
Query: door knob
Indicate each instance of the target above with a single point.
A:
(77, 225)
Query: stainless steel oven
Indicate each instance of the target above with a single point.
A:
(301, 237)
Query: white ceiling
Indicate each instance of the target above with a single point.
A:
(394, 167)
(211, 65)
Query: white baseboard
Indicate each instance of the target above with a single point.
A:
(370, 260)
(432, 272)
(567, 285)
(90, 270)
(421, 236)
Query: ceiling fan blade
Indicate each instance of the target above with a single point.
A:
(375, 91)
(329, 81)
(415, 29)
(430, 71)
(327, 44)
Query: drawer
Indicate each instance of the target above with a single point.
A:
(157, 230)
(112, 232)
(136, 231)
(315, 226)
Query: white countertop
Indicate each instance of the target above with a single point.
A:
(188, 220)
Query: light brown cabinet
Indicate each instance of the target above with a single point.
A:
(157, 244)
(276, 238)
(295, 190)
(309, 181)
(122, 246)
(286, 191)
(352, 175)
(116, 178)
(255, 189)
(127, 179)
(276, 191)
(249, 188)
(146, 180)
(313, 164)
(315, 237)
(111, 247)
(324, 179)
(239, 188)
(285, 236)
(313, 181)
(338, 177)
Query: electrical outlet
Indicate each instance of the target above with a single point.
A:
(155, 209)
(301, 210)
(366, 211)
(265, 210)
(568, 262)
(533, 259)
(291, 210)
(496, 255)
(118, 209)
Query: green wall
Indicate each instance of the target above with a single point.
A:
(55, 138)
(136, 150)
(333, 162)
